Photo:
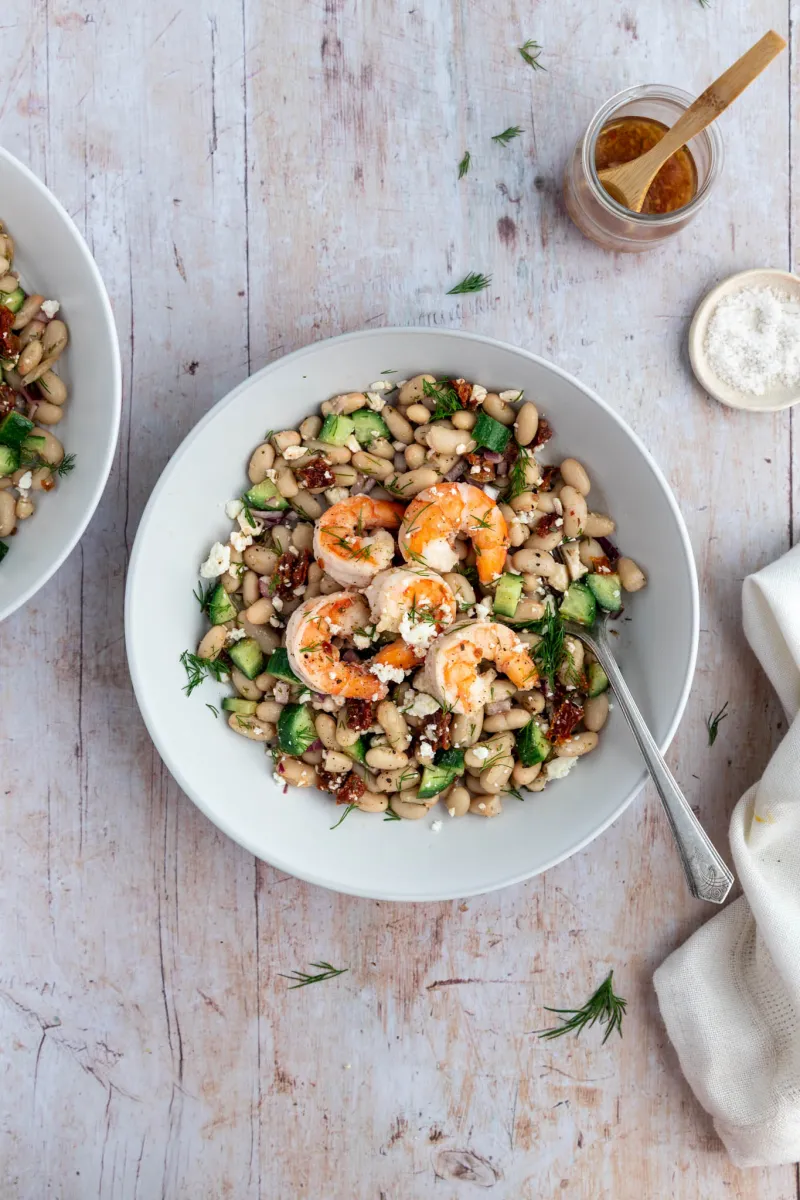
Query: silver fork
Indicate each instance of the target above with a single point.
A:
(706, 873)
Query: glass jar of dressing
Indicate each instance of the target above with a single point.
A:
(628, 125)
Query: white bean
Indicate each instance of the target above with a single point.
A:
(578, 744)
(382, 758)
(394, 725)
(413, 482)
(514, 718)
(526, 424)
(631, 576)
(261, 461)
(595, 712)
(575, 476)
(407, 809)
(457, 801)
(296, 773)
(599, 525)
(210, 645)
(486, 805)
(8, 515)
(255, 730)
(413, 390)
(575, 511)
(498, 409)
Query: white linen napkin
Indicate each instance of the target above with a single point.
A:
(730, 997)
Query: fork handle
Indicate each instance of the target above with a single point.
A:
(706, 873)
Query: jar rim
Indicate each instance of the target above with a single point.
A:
(649, 91)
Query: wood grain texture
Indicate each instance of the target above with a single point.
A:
(252, 177)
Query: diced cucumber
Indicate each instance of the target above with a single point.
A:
(278, 666)
(598, 680)
(34, 443)
(265, 495)
(490, 433)
(244, 708)
(336, 430)
(3, 550)
(296, 729)
(13, 300)
(606, 590)
(439, 775)
(14, 428)
(507, 594)
(248, 657)
(578, 605)
(532, 745)
(9, 460)
(358, 751)
(369, 425)
(220, 606)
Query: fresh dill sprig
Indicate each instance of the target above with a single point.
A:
(391, 815)
(531, 53)
(473, 282)
(389, 371)
(197, 669)
(464, 165)
(507, 135)
(269, 435)
(203, 598)
(549, 653)
(704, 3)
(514, 791)
(215, 711)
(516, 476)
(602, 1006)
(712, 723)
(66, 466)
(248, 512)
(302, 979)
(447, 402)
(346, 813)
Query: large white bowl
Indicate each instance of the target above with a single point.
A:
(53, 259)
(229, 778)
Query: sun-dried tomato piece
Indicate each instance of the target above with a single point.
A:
(565, 718)
(351, 789)
(360, 715)
(546, 524)
(543, 433)
(316, 475)
(9, 342)
(435, 730)
(329, 781)
(291, 573)
(602, 566)
(480, 469)
(547, 478)
(464, 392)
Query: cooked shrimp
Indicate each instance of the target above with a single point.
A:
(313, 655)
(438, 515)
(414, 603)
(341, 547)
(451, 664)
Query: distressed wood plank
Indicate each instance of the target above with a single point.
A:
(252, 180)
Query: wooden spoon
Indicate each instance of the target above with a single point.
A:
(630, 183)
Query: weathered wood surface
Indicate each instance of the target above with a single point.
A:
(253, 177)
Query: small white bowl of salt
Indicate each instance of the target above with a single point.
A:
(744, 341)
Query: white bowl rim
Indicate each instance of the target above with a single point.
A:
(115, 391)
(297, 356)
(723, 392)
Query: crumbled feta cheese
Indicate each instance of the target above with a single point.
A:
(480, 752)
(276, 623)
(398, 383)
(511, 397)
(281, 692)
(374, 401)
(422, 705)
(353, 444)
(50, 308)
(277, 603)
(304, 696)
(463, 450)
(419, 635)
(234, 635)
(249, 525)
(478, 394)
(483, 609)
(233, 508)
(475, 470)
(452, 812)
(559, 768)
(335, 494)
(218, 561)
(334, 630)
(399, 446)
(481, 806)
(425, 750)
(436, 826)
(240, 541)
(387, 673)
(293, 550)
(362, 642)
(271, 474)
(25, 481)
(294, 452)
(558, 522)
(380, 385)
(491, 492)
(298, 591)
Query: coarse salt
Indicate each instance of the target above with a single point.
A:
(753, 340)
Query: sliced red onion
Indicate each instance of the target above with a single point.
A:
(263, 587)
(350, 656)
(30, 409)
(269, 516)
(502, 467)
(316, 745)
(492, 456)
(611, 551)
(363, 485)
(457, 471)
(498, 706)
